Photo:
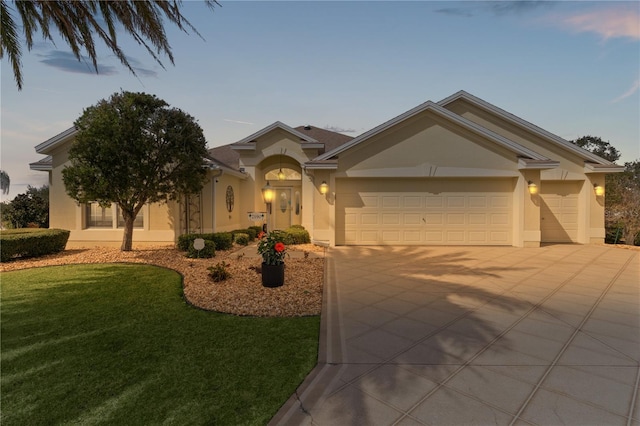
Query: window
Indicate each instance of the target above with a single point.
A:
(103, 217)
(99, 217)
(289, 174)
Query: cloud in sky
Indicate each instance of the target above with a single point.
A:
(613, 22)
(635, 87)
(237, 121)
(497, 8)
(66, 61)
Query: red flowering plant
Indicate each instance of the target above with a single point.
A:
(271, 247)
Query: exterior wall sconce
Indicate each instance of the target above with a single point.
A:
(533, 188)
(267, 195)
(599, 190)
(324, 188)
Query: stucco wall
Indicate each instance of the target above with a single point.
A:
(425, 145)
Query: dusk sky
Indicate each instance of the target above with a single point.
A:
(572, 68)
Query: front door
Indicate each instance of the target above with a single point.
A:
(282, 208)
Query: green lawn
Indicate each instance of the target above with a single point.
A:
(117, 344)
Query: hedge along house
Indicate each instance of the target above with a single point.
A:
(457, 172)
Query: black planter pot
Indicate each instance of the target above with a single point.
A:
(272, 275)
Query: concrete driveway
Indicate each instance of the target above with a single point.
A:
(477, 336)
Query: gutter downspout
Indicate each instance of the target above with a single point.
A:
(213, 197)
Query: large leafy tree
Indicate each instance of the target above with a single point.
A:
(80, 23)
(133, 149)
(30, 209)
(622, 201)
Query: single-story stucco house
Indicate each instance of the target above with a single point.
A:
(456, 172)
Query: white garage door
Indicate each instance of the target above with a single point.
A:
(559, 211)
(423, 212)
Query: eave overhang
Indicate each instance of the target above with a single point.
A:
(529, 164)
(321, 165)
(44, 165)
(50, 144)
(602, 168)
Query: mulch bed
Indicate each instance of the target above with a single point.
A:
(241, 294)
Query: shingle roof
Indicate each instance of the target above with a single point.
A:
(227, 155)
(329, 138)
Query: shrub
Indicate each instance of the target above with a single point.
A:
(251, 233)
(297, 235)
(219, 272)
(31, 242)
(242, 239)
(222, 240)
(185, 241)
(256, 228)
(207, 252)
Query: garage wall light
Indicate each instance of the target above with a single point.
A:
(324, 188)
(533, 188)
(599, 190)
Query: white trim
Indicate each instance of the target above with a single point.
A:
(563, 143)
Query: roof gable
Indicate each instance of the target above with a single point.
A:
(523, 124)
(249, 141)
(443, 113)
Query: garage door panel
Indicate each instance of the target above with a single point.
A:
(559, 212)
(456, 201)
(457, 213)
(411, 236)
(391, 218)
(412, 202)
(478, 219)
(390, 202)
(369, 237)
(434, 218)
(478, 237)
(500, 219)
(455, 219)
(455, 237)
(477, 202)
(434, 201)
(391, 237)
(411, 219)
(369, 219)
(370, 201)
(500, 201)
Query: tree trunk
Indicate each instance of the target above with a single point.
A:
(629, 235)
(127, 238)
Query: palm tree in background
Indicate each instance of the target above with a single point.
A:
(5, 182)
(78, 22)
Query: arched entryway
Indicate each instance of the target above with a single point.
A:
(285, 176)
